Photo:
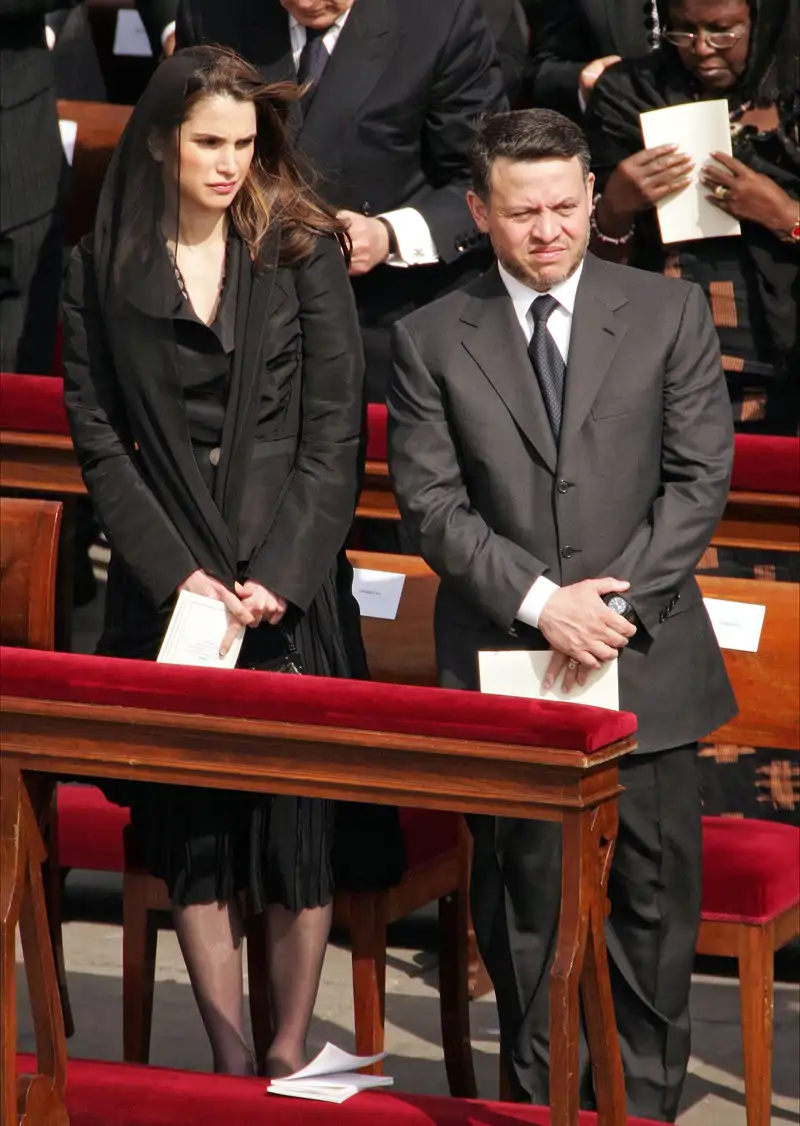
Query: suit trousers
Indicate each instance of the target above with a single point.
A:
(654, 890)
(30, 288)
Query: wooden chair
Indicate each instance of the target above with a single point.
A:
(29, 537)
(100, 126)
(751, 869)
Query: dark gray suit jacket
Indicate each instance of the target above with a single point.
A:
(634, 490)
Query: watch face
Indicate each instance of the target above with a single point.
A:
(619, 605)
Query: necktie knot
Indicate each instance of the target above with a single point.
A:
(541, 308)
(313, 33)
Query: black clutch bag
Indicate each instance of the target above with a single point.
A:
(274, 651)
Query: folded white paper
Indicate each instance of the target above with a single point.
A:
(699, 128)
(377, 593)
(737, 625)
(521, 672)
(331, 1077)
(195, 633)
(130, 37)
(69, 133)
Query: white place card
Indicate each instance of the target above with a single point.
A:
(69, 133)
(737, 625)
(130, 37)
(377, 593)
(699, 128)
(520, 672)
(196, 631)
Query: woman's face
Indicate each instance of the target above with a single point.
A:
(217, 142)
(715, 67)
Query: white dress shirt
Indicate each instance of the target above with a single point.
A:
(559, 325)
(414, 239)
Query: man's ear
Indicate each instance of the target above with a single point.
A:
(590, 190)
(480, 212)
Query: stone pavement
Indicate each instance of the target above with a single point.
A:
(714, 1093)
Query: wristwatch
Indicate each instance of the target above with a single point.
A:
(620, 606)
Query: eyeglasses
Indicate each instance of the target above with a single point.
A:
(718, 40)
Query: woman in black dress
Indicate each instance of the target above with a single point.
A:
(214, 389)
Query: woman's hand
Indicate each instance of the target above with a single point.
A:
(201, 583)
(747, 194)
(638, 183)
(262, 603)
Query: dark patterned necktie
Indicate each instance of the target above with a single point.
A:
(313, 58)
(547, 361)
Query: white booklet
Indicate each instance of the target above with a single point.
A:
(520, 672)
(331, 1077)
(195, 633)
(699, 128)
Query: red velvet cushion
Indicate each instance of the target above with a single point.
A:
(32, 402)
(110, 1094)
(751, 869)
(243, 694)
(90, 829)
(766, 464)
(376, 432)
(428, 833)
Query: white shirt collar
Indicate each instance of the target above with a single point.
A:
(522, 295)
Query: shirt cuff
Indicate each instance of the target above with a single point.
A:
(168, 30)
(414, 239)
(535, 600)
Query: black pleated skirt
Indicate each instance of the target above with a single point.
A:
(210, 845)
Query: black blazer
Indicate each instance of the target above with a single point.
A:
(568, 34)
(509, 29)
(31, 156)
(389, 127)
(634, 490)
(297, 370)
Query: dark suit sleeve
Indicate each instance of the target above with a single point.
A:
(468, 81)
(135, 523)
(484, 568)
(696, 463)
(12, 9)
(321, 493)
(509, 29)
(560, 48)
(156, 14)
(185, 30)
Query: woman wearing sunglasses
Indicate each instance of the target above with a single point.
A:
(745, 51)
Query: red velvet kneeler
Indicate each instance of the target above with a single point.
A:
(751, 870)
(32, 403)
(111, 1094)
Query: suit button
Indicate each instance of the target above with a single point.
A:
(568, 552)
(563, 486)
(366, 208)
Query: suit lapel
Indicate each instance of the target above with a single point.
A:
(597, 331)
(494, 339)
(360, 57)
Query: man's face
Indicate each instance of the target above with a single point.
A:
(537, 216)
(316, 13)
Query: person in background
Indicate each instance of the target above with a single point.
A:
(573, 41)
(392, 89)
(747, 51)
(31, 168)
(509, 28)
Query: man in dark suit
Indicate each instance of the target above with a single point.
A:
(395, 85)
(573, 41)
(561, 443)
(31, 164)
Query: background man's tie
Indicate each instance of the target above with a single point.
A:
(547, 361)
(313, 58)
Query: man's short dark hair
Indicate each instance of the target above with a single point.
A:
(524, 134)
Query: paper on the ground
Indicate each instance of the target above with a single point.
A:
(331, 1077)
(737, 624)
(521, 672)
(130, 37)
(69, 133)
(699, 128)
(377, 593)
(195, 632)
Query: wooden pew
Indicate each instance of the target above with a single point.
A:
(355, 741)
(100, 126)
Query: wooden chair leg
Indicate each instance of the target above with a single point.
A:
(454, 996)
(258, 987)
(52, 878)
(756, 992)
(139, 942)
(368, 915)
(478, 981)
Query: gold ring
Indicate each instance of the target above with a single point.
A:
(721, 192)
(572, 664)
